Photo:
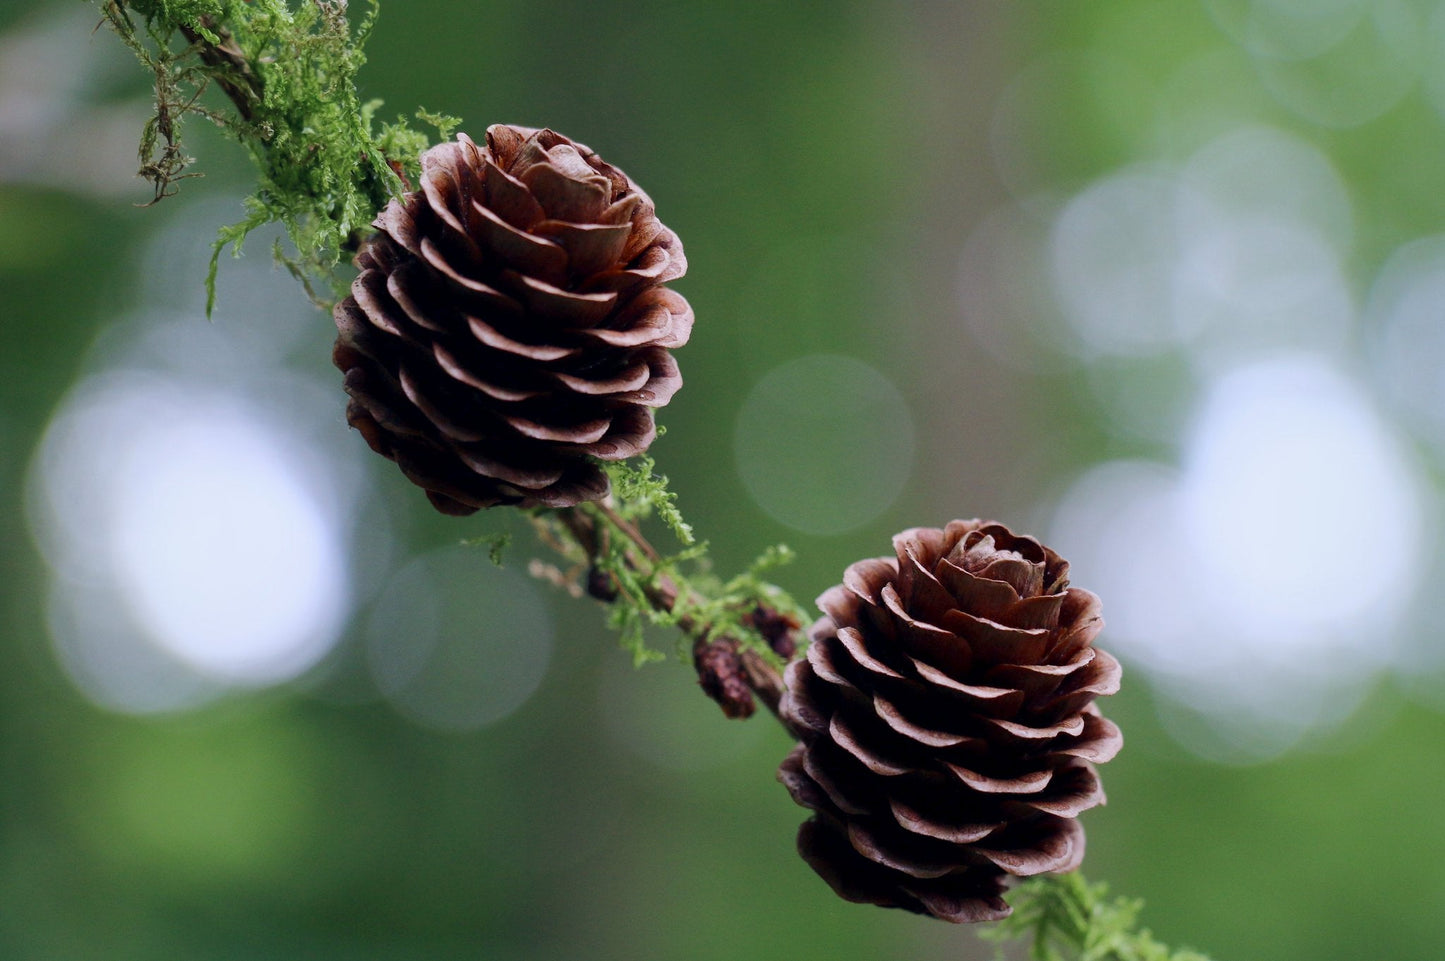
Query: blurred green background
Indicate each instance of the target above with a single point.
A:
(1159, 281)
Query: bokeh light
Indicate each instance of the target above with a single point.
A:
(1337, 63)
(1287, 466)
(1239, 251)
(192, 496)
(1273, 567)
(273, 607)
(824, 443)
(1116, 249)
(1405, 316)
(455, 642)
(191, 514)
(1288, 29)
(1359, 77)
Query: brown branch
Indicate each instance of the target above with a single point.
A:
(630, 529)
(235, 76)
(764, 679)
(729, 673)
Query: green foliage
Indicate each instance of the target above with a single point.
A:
(641, 491)
(677, 590)
(726, 606)
(445, 123)
(496, 544)
(289, 72)
(630, 621)
(1068, 919)
(178, 10)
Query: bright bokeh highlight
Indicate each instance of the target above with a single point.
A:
(194, 520)
(1267, 573)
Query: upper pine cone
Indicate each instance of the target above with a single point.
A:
(509, 323)
(948, 735)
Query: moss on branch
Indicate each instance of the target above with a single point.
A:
(287, 72)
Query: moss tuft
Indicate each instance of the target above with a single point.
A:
(289, 72)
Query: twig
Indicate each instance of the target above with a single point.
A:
(631, 531)
(728, 672)
(235, 78)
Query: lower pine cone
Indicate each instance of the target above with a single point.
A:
(948, 735)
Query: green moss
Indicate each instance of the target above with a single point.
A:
(288, 75)
(705, 604)
(1065, 918)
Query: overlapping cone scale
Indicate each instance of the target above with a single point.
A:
(509, 327)
(946, 722)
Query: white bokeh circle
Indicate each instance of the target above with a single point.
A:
(199, 523)
(1261, 583)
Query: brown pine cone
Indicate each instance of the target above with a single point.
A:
(947, 726)
(509, 327)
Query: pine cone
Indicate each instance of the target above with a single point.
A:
(947, 726)
(509, 324)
